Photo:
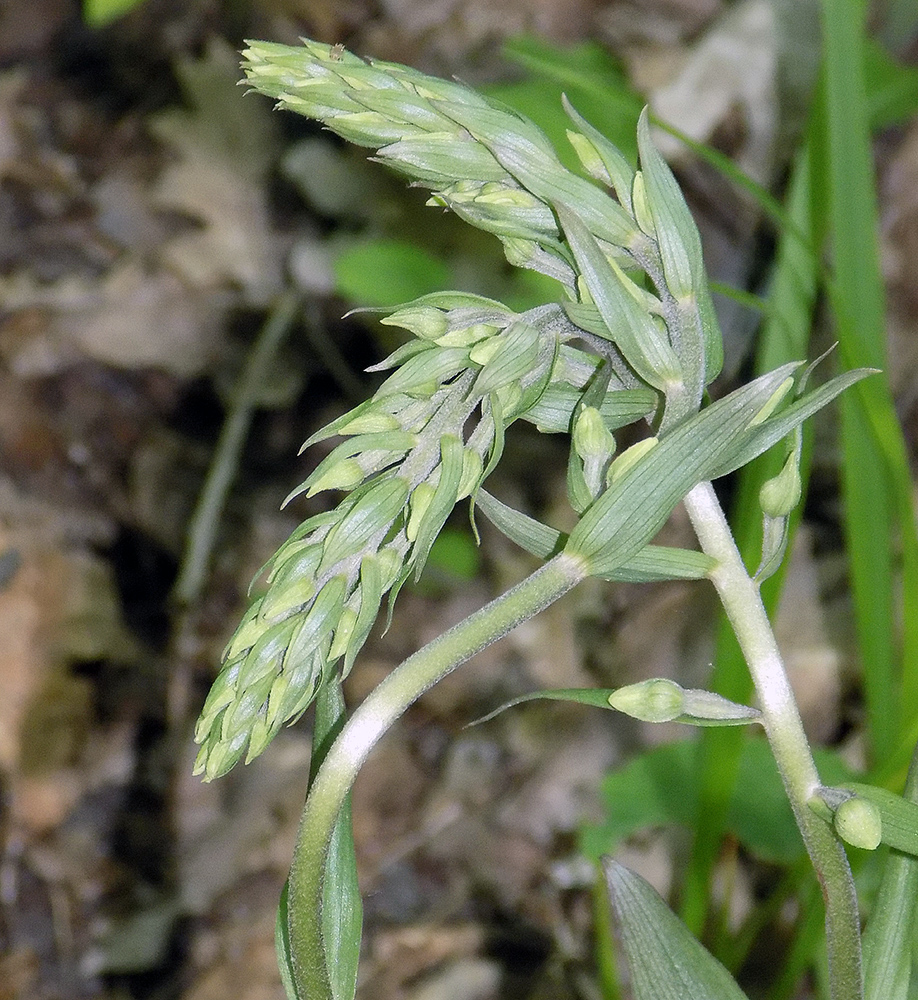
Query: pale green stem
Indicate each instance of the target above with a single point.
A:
(369, 722)
(742, 603)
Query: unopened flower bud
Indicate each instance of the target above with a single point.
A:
(656, 700)
(591, 438)
(858, 822)
(420, 500)
(425, 322)
(781, 494)
(629, 458)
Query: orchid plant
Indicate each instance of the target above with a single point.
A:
(633, 339)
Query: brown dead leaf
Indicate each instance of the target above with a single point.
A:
(130, 319)
(223, 147)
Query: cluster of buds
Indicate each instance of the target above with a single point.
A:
(492, 166)
(435, 428)
(499, 172)
(423, 442)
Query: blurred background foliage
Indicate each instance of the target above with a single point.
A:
(175, 262)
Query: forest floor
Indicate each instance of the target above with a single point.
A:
(149, 218)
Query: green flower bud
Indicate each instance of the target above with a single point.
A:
(423, 321)
(642, 214)
(246, 634)
(509, 396)
(656, 700)
(343, 632)
(289, 595)
(468, 336)
(343, 475)
(429, 368)
(781, 494)
(591, 438)
(629, 458)
(589, 157)
(420, 500)
(391, 562)
(370, 422)
(482, 353)
(472, 468)
(858, 823)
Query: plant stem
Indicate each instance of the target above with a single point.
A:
(739, 594)
(369, 722)
(202, 530)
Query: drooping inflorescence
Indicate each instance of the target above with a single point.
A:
(635, 338)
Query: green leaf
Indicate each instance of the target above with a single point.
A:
(772, 430)
(655, 563)
(99, 13)
(594, 697)
(342, 909)
(533, 536)
(666, 961)
(651, 565)
(387, 272)
(660, 788)
(641, 341)
(634, 508)
(282, 948)
(889, 936)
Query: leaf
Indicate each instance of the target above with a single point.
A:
(634, 508)
(595, 697)
(660, 788)
(772, 430)
(889, 936)
(282, 947)
(387, 272)
(666, 961)
(899, 816)
(342, 909)
(652, 564)
(533, 536)
(100, 13)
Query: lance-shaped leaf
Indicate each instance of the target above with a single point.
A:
(653, 564)
(554, 410)
(634, 508)
(770, 431)
(637, 336)
(889, 936)
(666, 961)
